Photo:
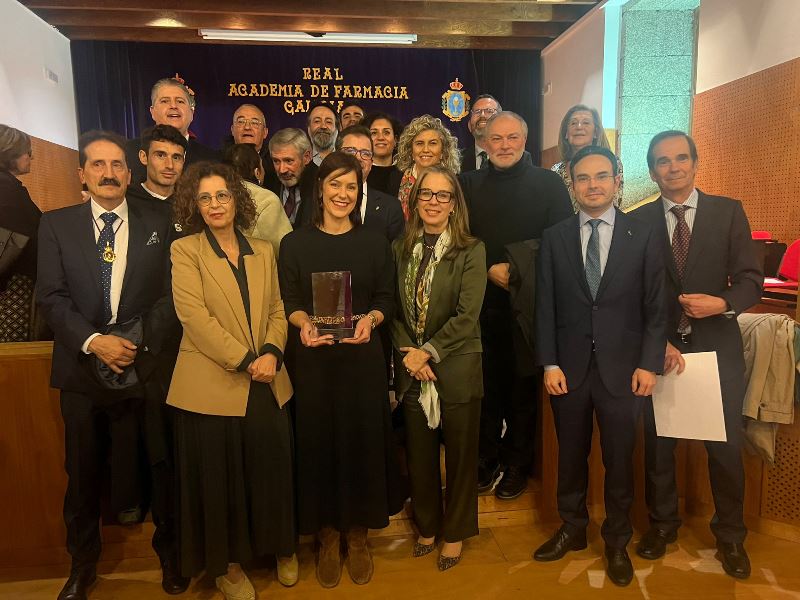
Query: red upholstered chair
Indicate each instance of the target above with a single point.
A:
(761, 235)
(787, 273)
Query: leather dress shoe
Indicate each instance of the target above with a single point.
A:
(513, 483)
(488, 472)
(557, 546)
(619, 567)
(653, 544)
(78, 584)
(172, 581)
(130, 516)
(734, 559)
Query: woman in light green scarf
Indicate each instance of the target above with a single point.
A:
(441, 279)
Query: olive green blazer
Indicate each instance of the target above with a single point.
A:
(452, 331)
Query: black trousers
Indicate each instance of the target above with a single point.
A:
(508, 396)
(95, 431)
(725, 469)
(616, 419)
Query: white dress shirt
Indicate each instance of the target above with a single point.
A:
(364, 202)
(672, 220)
(120, 252)
(285, 197)
(478, 162)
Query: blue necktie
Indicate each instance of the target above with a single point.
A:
(592, 266)
(105, 242)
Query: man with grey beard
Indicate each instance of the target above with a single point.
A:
(323, 125)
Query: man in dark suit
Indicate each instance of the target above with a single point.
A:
(712, 275)
(172, 103)
(378, 210)
(600, 335)
(291, 155)
(475, 156)
(103, 262)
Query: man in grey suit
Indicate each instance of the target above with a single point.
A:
(712, 275)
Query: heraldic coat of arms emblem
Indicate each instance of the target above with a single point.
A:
(455, 101)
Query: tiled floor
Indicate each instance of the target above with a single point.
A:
(496, 564)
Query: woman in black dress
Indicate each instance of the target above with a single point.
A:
(233, 435)
(18, 214)
(347, 476)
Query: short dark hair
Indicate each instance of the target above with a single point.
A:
(353, 130)
(244, 158)
(660, 137)
(349, 104)
(162, 133)
(488, 97)
(317, 104)
(591, 151)
(98, 135)
(397, 126)
(342, 163)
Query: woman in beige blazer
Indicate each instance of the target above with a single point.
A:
(232, 432)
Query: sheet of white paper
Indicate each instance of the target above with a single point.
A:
(689, 405)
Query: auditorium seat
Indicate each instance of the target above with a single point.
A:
(787, 272)
(761, 235)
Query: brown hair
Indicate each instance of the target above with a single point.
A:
(337, 163)
(598, 139)
(186, 211)
(458, 223)
(13, 144)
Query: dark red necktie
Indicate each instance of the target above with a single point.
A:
(680, 251)
(291, 202)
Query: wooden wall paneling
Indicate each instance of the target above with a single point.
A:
(748, 140)
(53, 180)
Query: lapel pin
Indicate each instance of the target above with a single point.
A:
(153, 239)
(629, 233)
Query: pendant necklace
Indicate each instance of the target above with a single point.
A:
(108, 255)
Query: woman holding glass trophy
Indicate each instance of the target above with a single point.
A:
(337, 283)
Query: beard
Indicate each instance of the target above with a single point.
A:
(323, 140)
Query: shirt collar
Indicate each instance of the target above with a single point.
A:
(121, 211)
(691, 201)
(244, 245)
(478, 150)
(607, 217)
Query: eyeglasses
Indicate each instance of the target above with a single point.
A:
(223, 197)
(601, 178)
(442, 196)
(365, 154)
(241, 122)
(483, 111)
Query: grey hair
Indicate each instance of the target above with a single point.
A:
(171, 81)
(290, 136)
(507, 113)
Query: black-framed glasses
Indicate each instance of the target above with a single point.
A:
(427, 194)
(483, 111)
(223, 197)
(242, 123)
(365, 154)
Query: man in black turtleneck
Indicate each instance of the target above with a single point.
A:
(510, 201)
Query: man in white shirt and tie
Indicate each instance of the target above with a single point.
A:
(291, 155)
(483, 108)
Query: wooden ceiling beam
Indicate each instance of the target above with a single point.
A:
(163, 34)
(138, 19)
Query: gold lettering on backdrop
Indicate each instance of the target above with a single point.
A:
(294, 95)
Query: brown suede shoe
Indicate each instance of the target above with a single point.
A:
(359, 560)
(329, 559)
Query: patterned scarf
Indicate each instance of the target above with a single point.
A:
(415, 305)
(406, 183)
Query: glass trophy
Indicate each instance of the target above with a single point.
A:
(333, 304)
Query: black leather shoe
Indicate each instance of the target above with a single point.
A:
(488, 472)
(619, 567)
(513, 483)
(172, 581)
(78, 584)
(734, 560)
(653, 544)
(558, 545)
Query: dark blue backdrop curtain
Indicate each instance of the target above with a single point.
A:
(113, 81)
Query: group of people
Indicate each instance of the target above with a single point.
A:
(187, 300)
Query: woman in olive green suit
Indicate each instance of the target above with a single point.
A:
(441, 279)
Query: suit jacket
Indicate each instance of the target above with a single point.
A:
(384, 214)
(451, 327)
(195, 152)
(307, 180)
(216, 334)
(722, 263)
(626, 322)
(468, 159)
(69, 292)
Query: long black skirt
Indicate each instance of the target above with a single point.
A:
(235, 485)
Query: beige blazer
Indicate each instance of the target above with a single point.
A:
(271, 223)
(216, 335)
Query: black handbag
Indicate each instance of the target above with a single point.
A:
(101, 373)
(11, 246)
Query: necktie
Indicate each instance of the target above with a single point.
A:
(680, 251)
(592, 265)
(291, 202)
(481, 158)
(105, 250)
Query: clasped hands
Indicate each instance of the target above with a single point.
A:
(416, 363)
(263, 368)
(114, 351)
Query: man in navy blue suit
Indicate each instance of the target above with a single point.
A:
(102, 263)
(600, 336)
